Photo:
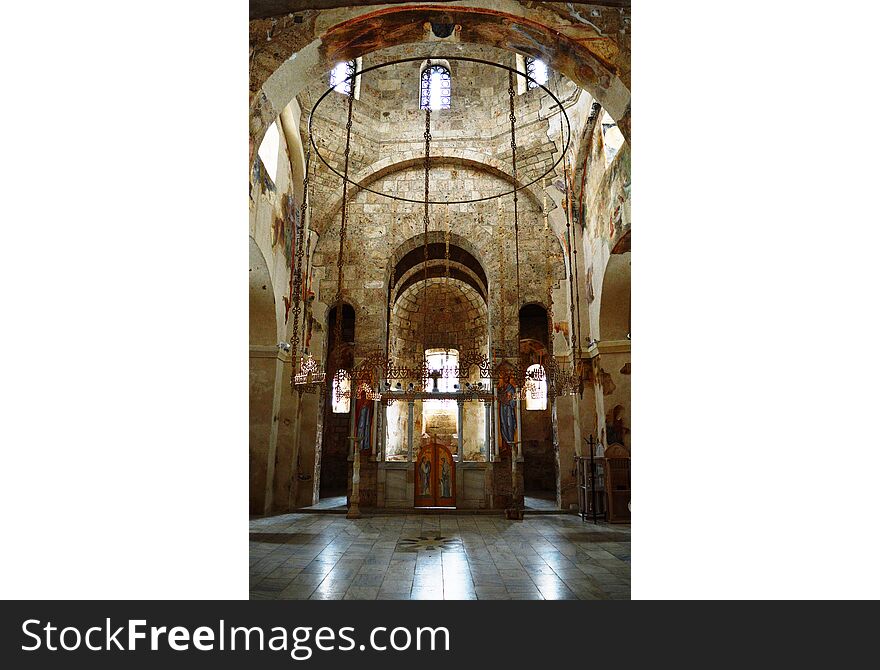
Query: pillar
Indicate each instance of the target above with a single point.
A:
(487, 447)
(374, 437)
(410, 405)
(460, 404)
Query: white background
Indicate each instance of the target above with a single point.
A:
(123, 418)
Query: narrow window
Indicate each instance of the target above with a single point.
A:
(536, 388)
(611, 137)
(537, 70)
(341, 77)
(436, 88)
(268, 151)
(341, 392)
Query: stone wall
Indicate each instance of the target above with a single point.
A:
(450, 315)
(377, 227)
(472, 158)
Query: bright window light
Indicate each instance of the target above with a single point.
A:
(339, 76)
(341, 399)
(436, 88)
(537, 70)
(536, 388)
(612, 137)
(268, 151)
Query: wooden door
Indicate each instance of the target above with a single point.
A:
(434, 477)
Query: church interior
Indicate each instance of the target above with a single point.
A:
(439, 272)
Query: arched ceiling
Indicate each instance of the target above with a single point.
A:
(265, 9)
(437, 251)
(440, 314)
(588, 43)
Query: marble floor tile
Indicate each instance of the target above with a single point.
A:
(329, 557)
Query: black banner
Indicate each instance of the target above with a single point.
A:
(292, 633)
(401, 634)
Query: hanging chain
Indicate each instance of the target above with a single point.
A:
(550, 367)
(447, 239)
(511, 94)
(296, 282)
(573, 283)
(569, 186)
(391, 282)
(305, 313)
(340, 259)
(424, 305)
(499, 231)
(390, 303)
(446, 303)
(571, 268)
(570, 264)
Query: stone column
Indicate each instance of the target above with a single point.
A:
(410, 405)
(487, 447)
(568, 422)
(352, 421)
(380, 430)
(494, 430)
(517, 410)
(354, 511)
(374, 429)
(460, 403)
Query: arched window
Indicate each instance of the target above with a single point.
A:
(268, 151)
(340, 77)
(436, 87)
(538, 71)
(341, 399)
(438, 416)
(536, 388)
(444, 361)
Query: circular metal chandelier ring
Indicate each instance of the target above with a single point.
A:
(350, 79)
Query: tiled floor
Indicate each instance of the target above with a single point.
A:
(331, 502)
(540, 501)
(426, 556)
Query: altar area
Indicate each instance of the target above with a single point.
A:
(438, 449)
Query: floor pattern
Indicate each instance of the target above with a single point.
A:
(436, 557)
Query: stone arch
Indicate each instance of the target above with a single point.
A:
(333, 448)
(387, 166)
(434, 237)
(562, 38)
(347, 333)
(456, 317)
(534, 323)
(463, 265)
(377, 239)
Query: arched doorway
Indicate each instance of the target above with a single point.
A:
(336, 426)
(540, 458)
